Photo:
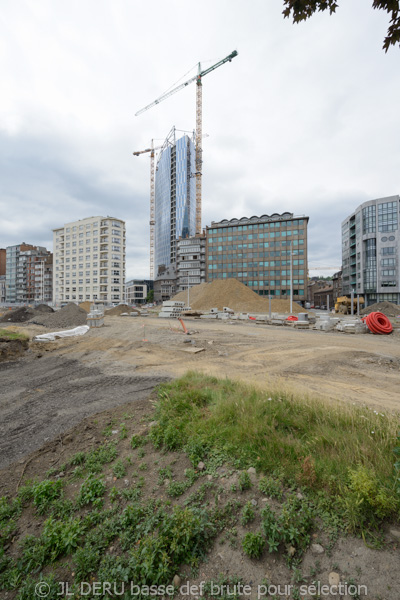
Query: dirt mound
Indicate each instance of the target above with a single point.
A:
(387, 308)
(70, 315)
(43, 308)
(86, 306)
(235, 295)
(19, 315)
(121, 308)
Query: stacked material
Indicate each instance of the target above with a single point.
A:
(171, 309)
(233, 293)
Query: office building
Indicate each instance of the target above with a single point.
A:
(21, 261)
(89, 261)
(371, 251)
(175, 204)
(191, 262)
(136, 290)
(267, 253)
(3, 254)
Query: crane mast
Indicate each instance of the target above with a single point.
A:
(199, 125)
(152, 201)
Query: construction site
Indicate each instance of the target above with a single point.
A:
(228, 435)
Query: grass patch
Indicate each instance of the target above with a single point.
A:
(13, 335)
(342, 450)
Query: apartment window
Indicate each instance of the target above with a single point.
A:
(81, 235)
(390, 250)
(388, 216)
(369, 219)
(388, 262)
(80, 227)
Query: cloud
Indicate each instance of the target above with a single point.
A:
(304, 119)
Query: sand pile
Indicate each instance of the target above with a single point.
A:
(70, 316)
(19, 315)
(235, 295)
(121, 308)
(86, 306)
(387, 308)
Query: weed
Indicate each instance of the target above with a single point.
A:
(119, 469)
(396, 451)
(177, 488)
(253, 544)
(143, 467)
(271, 487)
(92, 491)
(136, 441)
(248, 513)
(100, 456)
(163, 474)
(244, 481)
(291, 527)
(123, 432)
(141, 453)
(44, 493)
(78, 459)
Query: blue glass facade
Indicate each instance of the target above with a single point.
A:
(175, 199)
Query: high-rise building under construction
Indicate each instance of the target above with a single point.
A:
(175, 206)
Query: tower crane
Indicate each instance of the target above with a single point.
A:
(152, 151)
(199, 123)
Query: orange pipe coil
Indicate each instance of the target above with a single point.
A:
(378, 323)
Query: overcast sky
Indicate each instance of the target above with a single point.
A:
(306, 118)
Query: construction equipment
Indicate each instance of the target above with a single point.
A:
(152, 202)
(343, 304)
(199, 123)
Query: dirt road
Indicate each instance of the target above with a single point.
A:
(40, 399)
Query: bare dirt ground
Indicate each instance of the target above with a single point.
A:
(332, 365)
(51, 404)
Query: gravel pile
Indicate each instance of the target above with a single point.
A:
(387, 308)
(43, 308)
(70, 316)
(235, 295)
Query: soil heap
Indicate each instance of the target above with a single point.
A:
(235, 295)
(19, 315)
(121, 308)
(70, 315)
(43, 308)
(86, 306)
(387, 308)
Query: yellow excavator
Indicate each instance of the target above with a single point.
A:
(343, 305)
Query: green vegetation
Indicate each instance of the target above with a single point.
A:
(320, 465)
(253, 544)
(248, 513)
(13, 335)
(315, 444)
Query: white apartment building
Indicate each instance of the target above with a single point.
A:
(89, 261)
